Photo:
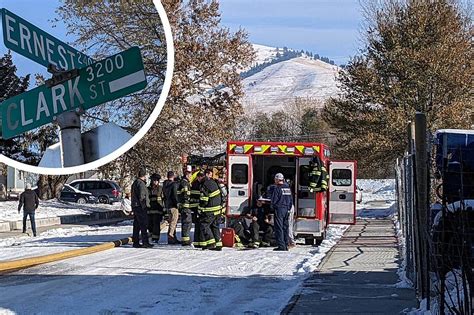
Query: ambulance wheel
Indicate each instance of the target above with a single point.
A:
(309, 241)
(319, 240)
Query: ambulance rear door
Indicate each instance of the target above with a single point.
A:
(307, 218)
(239, 183)
(342, 192)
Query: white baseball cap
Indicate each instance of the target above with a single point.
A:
(279, 176)
(28, 186)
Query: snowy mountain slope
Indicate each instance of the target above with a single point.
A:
(279, 84)
(264, 53)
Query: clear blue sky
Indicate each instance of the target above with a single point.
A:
(37, 12)
(327, 27)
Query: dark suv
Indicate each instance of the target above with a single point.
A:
(106, 191)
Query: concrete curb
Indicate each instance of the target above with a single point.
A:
(18, 225)
(64, 219)
(9, 266)
(4, 226)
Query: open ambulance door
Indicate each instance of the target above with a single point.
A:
(342, 192)
(309, 215)
(239, 184)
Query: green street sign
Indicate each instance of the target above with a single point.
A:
(102, 81)
(28, 40)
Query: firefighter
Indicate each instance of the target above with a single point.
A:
(140, 202)
(318, 177)
(281, 202)
(210, 208)
(155, 211)
(324, 179)
(194, 206)
(251, 223)
(223, 190)
(184, 206)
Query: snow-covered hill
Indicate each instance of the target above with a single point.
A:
(264, 53)
(279, 84)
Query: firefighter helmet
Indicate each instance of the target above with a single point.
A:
(316, 160)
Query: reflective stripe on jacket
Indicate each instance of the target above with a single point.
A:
(184, 194)
(210, 200)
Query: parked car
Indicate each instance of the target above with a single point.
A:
(72, 194)
(359, 194)
(106, 191)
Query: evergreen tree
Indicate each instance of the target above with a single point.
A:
(12, 85)
(418, 57)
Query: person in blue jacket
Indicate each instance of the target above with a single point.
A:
(281, 202)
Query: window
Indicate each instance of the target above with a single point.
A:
(67, 189)
(341, 177)
(104, 185)
(90, 185)
(239, 174)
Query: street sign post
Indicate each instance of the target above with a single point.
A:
(98, 83)
(28, 40)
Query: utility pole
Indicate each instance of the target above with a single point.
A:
(416, 226)
(72, 153)
(422, 202)
(70, 137)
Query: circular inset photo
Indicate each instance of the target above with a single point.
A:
(81, 82)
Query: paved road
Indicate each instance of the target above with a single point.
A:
(358, 276)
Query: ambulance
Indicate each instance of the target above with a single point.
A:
(251, 167)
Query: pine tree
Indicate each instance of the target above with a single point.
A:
(11, 85)
(418, 57)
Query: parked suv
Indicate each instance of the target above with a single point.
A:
(106, 191)
(72, 194)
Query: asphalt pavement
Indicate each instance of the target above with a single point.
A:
(358, 276)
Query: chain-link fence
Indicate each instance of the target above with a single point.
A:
(439, 251)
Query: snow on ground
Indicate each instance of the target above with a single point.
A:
(59, 240)
(164, 279)
(378, 198)
(263, 53)
(279, 84)
(377, 189)
(52, 208)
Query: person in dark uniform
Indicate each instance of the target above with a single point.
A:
(170, 193)
(29, 201)
(155, 211)
(184, 206)
(194, 205)
(140, 202)
(210, 208)
(252, 221)
(281, 202)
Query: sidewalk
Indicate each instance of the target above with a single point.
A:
(43, 228)
(358, 276)
(73, 219)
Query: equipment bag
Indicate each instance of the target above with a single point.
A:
(228, 237)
